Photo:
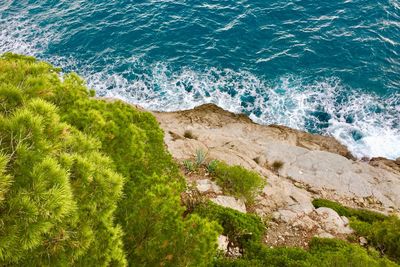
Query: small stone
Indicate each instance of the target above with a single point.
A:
(230, 202)
(325, 235)
(205, 185)
(363, 241)
(345, 220)
(286, 215)
(332, 222)
(276, 215)
(223, 243)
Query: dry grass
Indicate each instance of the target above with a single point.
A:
(189, 134)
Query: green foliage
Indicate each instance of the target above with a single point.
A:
(239, 227)
(71, 219)
(238, 181)
(359, 214)
(383, 232)
(157, 214)
(334, 252)
(87, 182)
(322, 252)
(246, 230)
(189, 165)
(200, 157)
(211, 166)
(383, 235)
(57, 202)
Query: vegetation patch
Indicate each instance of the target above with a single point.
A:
(239, 227)
(85, 181)
(382, 232)
(237, 181)
(189, 134)
(277, 165)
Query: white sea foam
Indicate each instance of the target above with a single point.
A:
(367, 124)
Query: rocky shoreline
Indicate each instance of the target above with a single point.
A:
(313, 166)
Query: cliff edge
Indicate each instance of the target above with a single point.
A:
(310, 166)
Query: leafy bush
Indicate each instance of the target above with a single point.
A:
(58, 192)
(211, 166)
(246, 230)
(334, 252)
(238, 226)
(383, 232)
(359, 214)
(75, 226)
(322, 252)
(238, 181)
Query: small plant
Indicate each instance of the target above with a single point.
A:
(277, 165)
(211, 166)
(189, 134)
(191, 198)
(200, 157)
(381, 231)
(257, 160)
(239, 227)
(189, 165)
(238, 181)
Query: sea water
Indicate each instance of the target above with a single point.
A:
(327, 67)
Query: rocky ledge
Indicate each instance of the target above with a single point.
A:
(311, 166)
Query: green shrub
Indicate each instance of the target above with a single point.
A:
(58, 192)
(211, 166)
(239, 227)
(76, 226)
(382, 232)
(238, 181)
(246, 230)
(383, 235)
(189, 165)
(334, 252)
(200, 157)
(360, 214)
(322, 252)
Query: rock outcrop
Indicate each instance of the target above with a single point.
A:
(299, 167)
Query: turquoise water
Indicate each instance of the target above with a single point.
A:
(329, 67)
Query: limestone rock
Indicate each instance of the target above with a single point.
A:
(285, 215)
(314, 167)
(223, 242)
(363, 241)
(315, 162)
(325, 235)
(230, 202)
(332, 222)
(206, 186)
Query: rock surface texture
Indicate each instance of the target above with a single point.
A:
(313, 167)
